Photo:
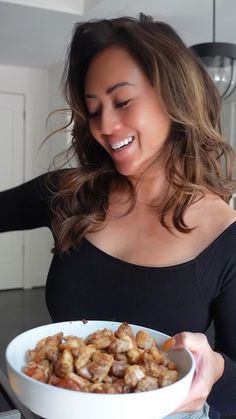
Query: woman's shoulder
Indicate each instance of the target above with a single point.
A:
(210, 217)
(212, 210)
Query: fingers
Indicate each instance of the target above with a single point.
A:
(192, 341)
(209, 367)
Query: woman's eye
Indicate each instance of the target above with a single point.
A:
(122, 104)
(117, 105)
(93, 114)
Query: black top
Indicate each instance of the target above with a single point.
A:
(87, 283)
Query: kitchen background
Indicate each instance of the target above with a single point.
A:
(34, 35)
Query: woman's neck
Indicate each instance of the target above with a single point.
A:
(151, 189)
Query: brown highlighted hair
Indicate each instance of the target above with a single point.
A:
(197, 157)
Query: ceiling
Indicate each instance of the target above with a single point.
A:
(38, 37)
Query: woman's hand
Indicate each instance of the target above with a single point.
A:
(209, 368)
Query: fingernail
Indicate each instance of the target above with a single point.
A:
(168, 344)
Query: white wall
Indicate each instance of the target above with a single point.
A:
(58, 141)
(34, 85)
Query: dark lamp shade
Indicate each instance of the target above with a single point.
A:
(220, 61)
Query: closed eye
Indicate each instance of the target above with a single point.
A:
(117, 105)
(122, 104)
(93, 114)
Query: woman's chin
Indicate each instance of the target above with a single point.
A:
(125, 171)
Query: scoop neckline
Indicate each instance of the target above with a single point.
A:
(175, 266)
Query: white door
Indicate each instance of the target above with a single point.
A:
(11, 174)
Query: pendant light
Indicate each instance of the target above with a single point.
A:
(220, 61)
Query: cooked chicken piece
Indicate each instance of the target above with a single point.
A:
(84, 372)
(40, 371)
(107, 388)
(71, 342)
(146, 357)
(101, 357)
(170, 365)
(54, 380)
(133, 355)
(115, 388)
(124, 329)
(100, 366)
(133, 374)
(100, 339)
(64, 364)
(167, 377)
(151, 366)
(146, 384)
(83, 382)
(71, 381)
(120, 357)
(46, 348)
(118, 368)
(65, 382)
(57, 339)
(96, 388)
(108, 379)
(157, 355)
(144, 340)
(123, 344)
(83, 355)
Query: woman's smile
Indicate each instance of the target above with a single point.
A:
(123, 143)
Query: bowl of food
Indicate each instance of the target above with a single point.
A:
(97, 370)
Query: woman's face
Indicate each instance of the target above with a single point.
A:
(125, 115)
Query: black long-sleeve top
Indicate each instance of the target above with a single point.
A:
(88, 283)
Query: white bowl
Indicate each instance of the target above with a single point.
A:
(56, 403)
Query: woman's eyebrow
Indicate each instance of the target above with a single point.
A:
(111, 89)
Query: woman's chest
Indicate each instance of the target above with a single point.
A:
(142, 240)
(93, 285)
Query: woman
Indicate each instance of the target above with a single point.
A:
(143, 230)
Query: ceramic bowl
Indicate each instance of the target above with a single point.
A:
(52, 402)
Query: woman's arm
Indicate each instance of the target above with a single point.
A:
(222, 397)
(215, 378)
(26, 206)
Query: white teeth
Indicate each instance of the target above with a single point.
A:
(122, 143)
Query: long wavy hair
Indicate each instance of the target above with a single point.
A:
(197, 156)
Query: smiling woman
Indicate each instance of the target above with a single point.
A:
(142, 225)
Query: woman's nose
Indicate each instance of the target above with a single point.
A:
(110, 122)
